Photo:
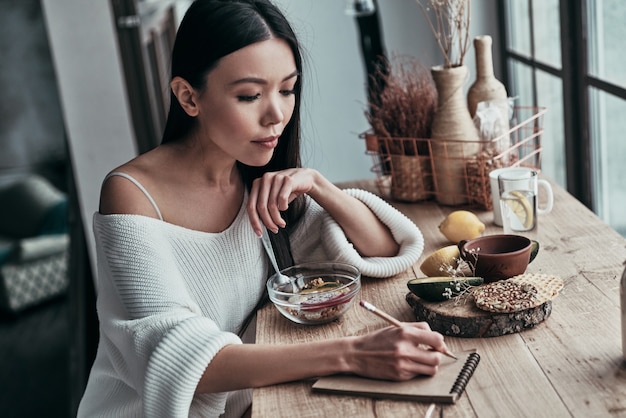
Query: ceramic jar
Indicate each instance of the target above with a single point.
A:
(486, 86)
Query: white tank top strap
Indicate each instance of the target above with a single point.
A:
(136, 183)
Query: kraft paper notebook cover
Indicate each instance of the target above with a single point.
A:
(445, 387)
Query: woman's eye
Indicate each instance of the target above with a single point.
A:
(248, 98)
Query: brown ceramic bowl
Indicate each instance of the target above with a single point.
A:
(498, 257)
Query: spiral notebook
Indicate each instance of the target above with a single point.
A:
(445, 387)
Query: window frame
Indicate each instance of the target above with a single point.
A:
(577, 81)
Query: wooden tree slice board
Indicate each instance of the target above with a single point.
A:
(465, 320)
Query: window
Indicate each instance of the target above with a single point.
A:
(567, 56)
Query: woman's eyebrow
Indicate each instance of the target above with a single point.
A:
(296, 73)
(258, 80)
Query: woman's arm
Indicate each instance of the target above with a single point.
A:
(367, 233)
(392, 353)
(274, 191)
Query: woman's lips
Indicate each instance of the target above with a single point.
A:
(269, 142)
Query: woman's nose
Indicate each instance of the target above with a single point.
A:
(273, 112)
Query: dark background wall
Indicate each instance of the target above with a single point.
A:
(35, 344)
(32, 137)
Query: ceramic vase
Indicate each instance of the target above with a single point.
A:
(493, 115)
(454, 136)
(486, 87)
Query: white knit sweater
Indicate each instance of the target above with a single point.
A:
(169, 298)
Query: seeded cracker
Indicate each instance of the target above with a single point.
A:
(521, 292)
(505, 296)
(548, 286)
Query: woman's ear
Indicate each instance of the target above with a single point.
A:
(185, 94)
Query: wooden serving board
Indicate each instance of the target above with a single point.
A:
(465, 320)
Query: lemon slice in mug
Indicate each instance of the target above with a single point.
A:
(522, 208)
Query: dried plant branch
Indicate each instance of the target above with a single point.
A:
(449, 21)
(406, 100)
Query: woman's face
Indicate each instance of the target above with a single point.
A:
(248, 99)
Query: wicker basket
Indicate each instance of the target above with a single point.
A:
(404, 166)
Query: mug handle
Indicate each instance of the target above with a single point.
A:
(534, 249)
(548, 189)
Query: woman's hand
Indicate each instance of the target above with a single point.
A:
(392, 353)
(273, 192)
(397, 353)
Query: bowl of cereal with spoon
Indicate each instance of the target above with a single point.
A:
(323, 292)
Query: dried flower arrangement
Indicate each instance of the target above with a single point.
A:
(405, 106)
(401, 114)
(459, 288)
(449, 21)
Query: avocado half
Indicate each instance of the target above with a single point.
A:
(432, 289)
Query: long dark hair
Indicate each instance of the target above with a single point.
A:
(212, 29)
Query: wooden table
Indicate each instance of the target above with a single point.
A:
(569, 365)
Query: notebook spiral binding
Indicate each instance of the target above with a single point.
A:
(466, 373)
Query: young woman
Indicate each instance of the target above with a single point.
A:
(181, 267)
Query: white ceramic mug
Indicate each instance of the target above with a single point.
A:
(519, 172)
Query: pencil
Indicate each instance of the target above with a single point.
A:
(430, 410)
(395, 322)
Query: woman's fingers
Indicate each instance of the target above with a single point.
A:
(253, 215)
(421, 325)
(267, 200)
(271, 194)
(400, 353)
(425, 362)
(262, 208)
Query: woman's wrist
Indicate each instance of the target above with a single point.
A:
(347, 354)
(320, 183)
(323, 190)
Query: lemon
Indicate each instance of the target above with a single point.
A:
(461, 225)
(433, 289)
(437, 262)
(521, 208)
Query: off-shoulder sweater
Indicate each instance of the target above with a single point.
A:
(170, 298)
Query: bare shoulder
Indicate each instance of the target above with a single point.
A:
(121, 195)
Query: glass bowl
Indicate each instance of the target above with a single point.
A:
(323, 292)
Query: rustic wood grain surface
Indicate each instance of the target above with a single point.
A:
(569, 365)
(463, 319)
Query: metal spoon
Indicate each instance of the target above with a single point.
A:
(283, 282)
